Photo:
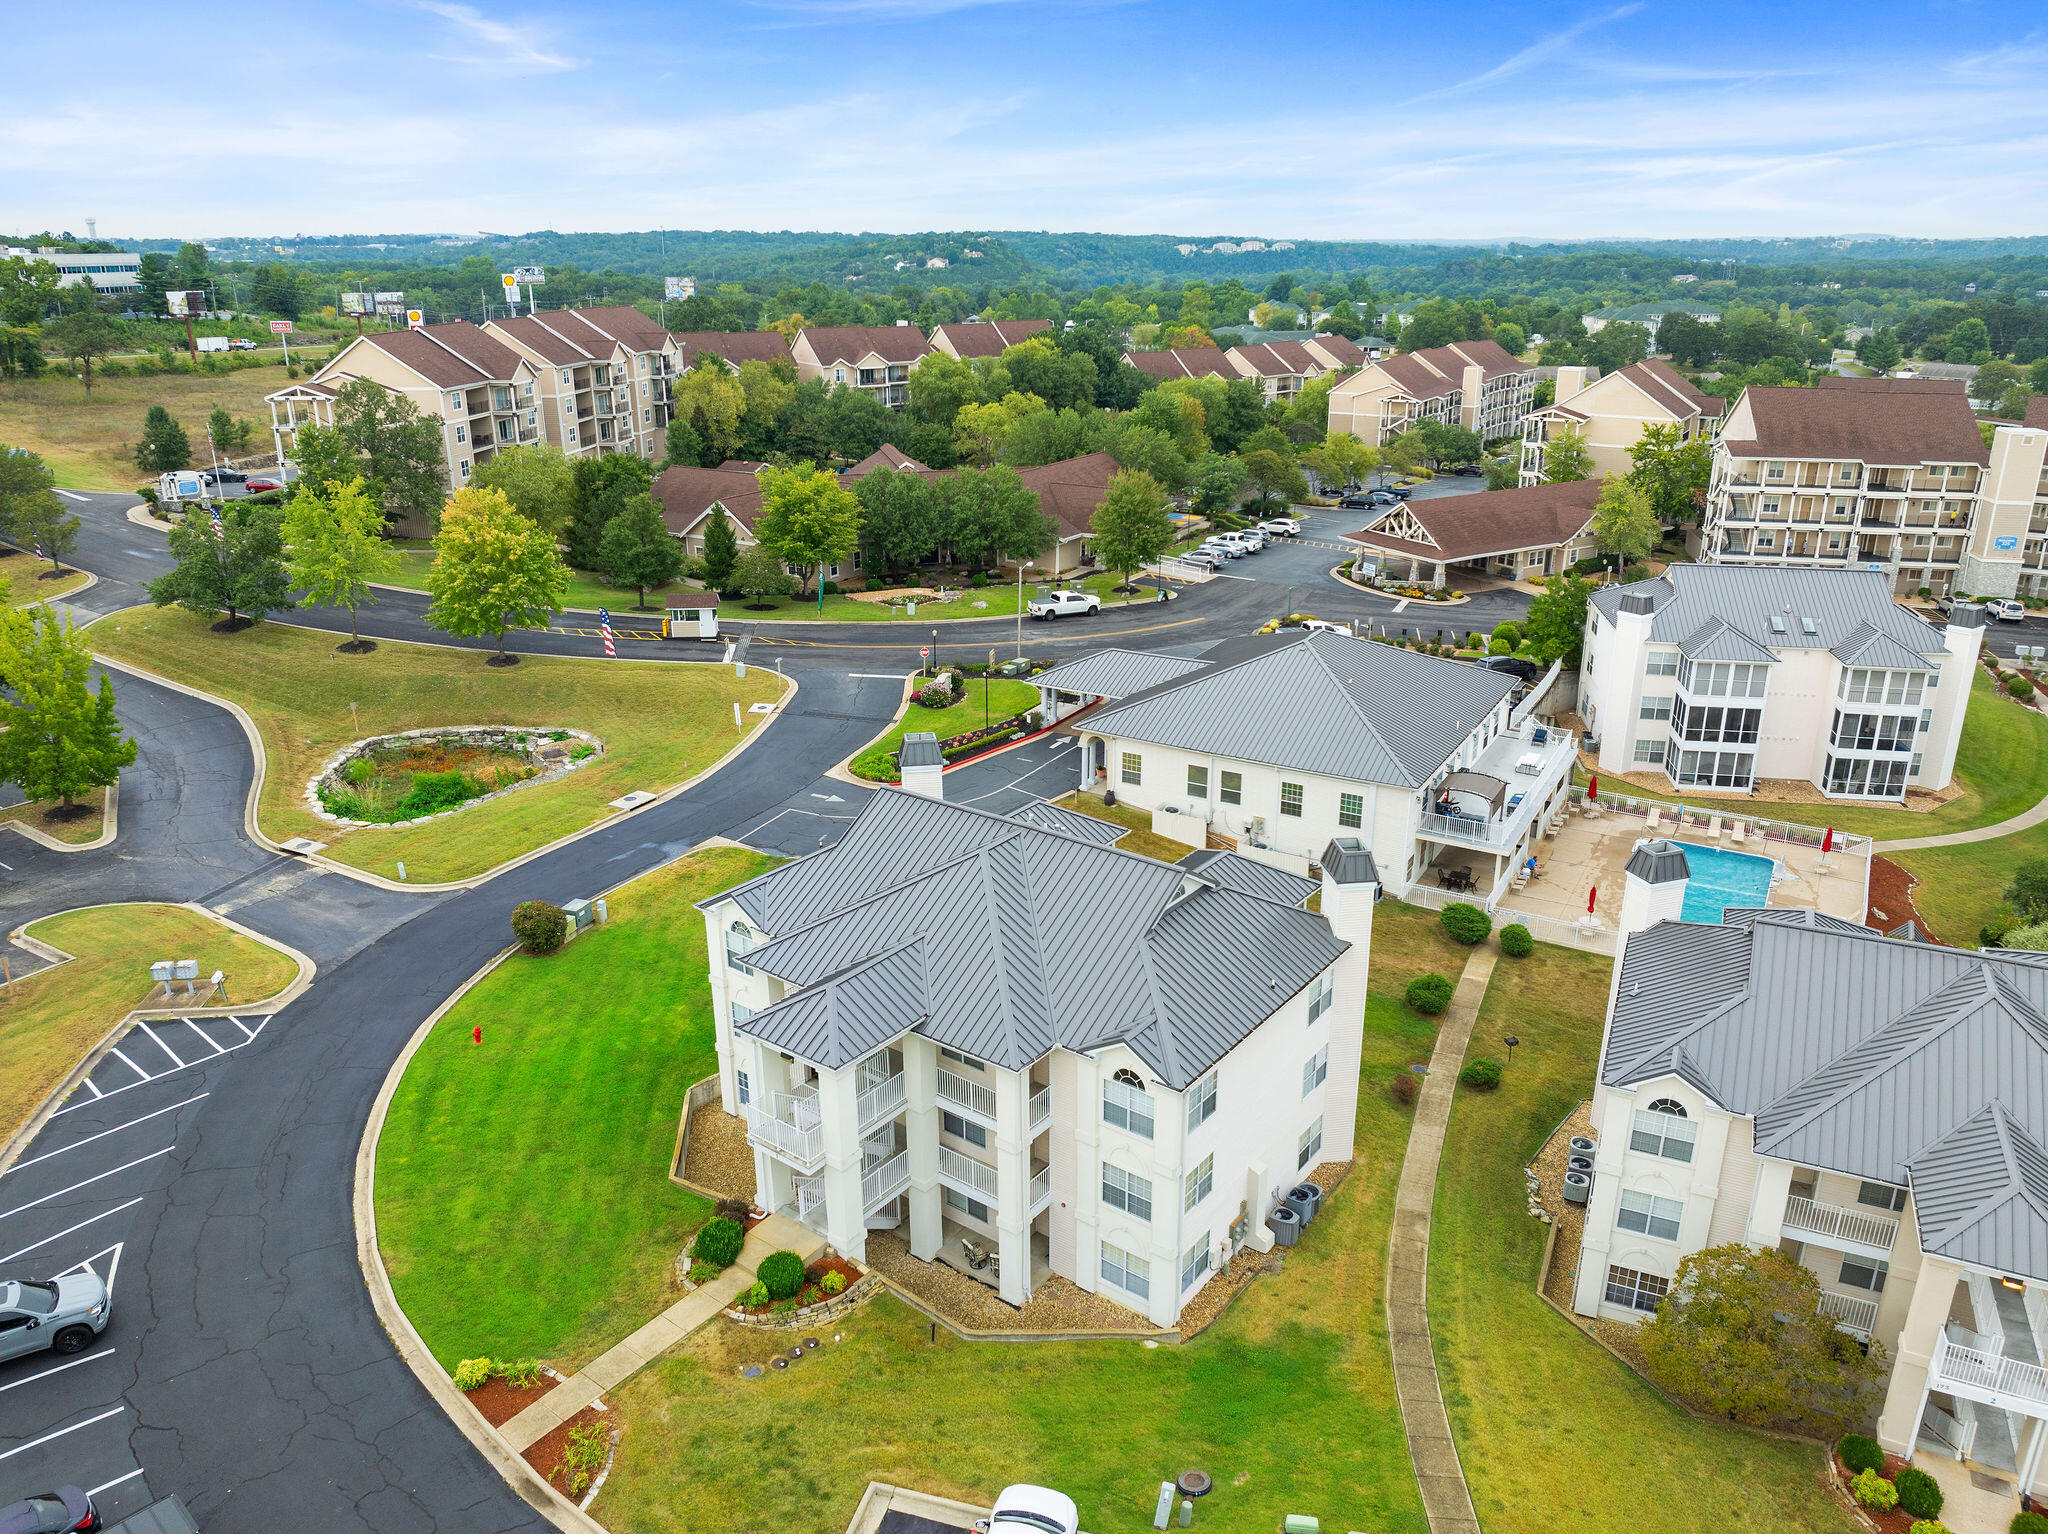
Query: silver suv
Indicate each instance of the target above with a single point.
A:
(62, 1314)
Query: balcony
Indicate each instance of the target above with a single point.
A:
(1040, 1115)
(1983, 1374)
(880, 1184)
(1848, 1229)
(971, 1095)
(968, 1175)
(879, 1101)
(789, 1126)
(807, 1203)
(1850, 1313)
(1525, 785)
(1041, 1190)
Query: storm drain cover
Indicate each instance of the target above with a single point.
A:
(752, 1371)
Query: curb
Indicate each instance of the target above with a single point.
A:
(110, 824)
(1336, 574)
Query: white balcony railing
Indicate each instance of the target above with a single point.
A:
(884, 1182)
(1833, 1222)
(808, 1204)
(879, 1100)
(1850, 1313)
(971, 1095)
(789, 1126)
(969, 1175)
(1041, 1190)
(1980, 1375)
(1040, 1116)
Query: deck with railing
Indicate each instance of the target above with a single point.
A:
(968, 1175)
(1039, 1115)
(879, 1101)
(1850, 1312)
(880, 1184)
(1981, 1373)
(789, 1125)
(1833, 1222)
(971, 1095)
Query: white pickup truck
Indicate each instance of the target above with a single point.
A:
(1063, 604)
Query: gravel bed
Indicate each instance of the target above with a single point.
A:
(1570, 1219)
(719, 1154)
(1057, 1306)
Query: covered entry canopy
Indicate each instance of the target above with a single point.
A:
(1480, 786)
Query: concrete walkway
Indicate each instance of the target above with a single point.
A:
(2024, 821)
(777, 1233)
(1445, 1497)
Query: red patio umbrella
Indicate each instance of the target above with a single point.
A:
(1827, 842)
(1593, 787)
(1592, 895)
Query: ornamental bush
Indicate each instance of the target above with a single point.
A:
(1481, 1075)
(1927, 1526)
(1874, 1491)
(1516, 942)
(833, 1282)
(935, 695)
(1466, 924)
(1919, 1493)
(754, 1295)
(1406, 1087)
(718, 1243)
(2029, 1523)
(540, 925)
(2019, 687)
(781, 1273)
(1429, 994)
(1858, 1453)
(520, 1373)
(472, 1374)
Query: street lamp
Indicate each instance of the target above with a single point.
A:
(1511, 1041)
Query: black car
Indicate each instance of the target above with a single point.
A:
(51, 1512)
(1359, 502)
(1466, 471)
(1524, 671)
(225, 477)
(1398, 492)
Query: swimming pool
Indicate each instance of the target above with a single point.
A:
(1721, 878)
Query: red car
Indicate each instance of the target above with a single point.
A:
(254, 485)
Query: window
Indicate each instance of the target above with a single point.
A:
(1198, 782)
(1865, 1273)
(1664, 1131)
(1351, 810)
(1128, 1272)
(740, 1014)
(1133, 768)
(963, 1129)
(1233, 788)
(974, 1208)
(1195, 1262)
(1651, 750)
(740, 940)
(464, 467)
(1127, 1191)
(454, 399)
(1881, 1195)
(461, 434)
(746, 1089)
(1655, 708)
(1661, 663)
(1315, 1070)
(1310, 1144)
(1126, 1106)
(1638, 1291)
(1290, 799)
(1199, 1183)
(1321, 992)
(959, 1059)
(1650, 1215)
(1202, 1101)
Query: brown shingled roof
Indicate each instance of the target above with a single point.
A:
(1072, 490)
(549, 343)
(1493, 521)
(623, 323)
(989, 338)
(1490, 356)
(451, 355)
(887, 456)
(1870, 420)
(1416, 378)
(1184, 362)
(735, 346)
(850, 343)
(1671, 388)
(2037, 410)
(1277, 359)
(1347, 351)
(684, 494)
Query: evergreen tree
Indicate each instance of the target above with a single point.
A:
(638, 550)
(492, 568)
(721, 549)
(164, 445)
(335, 535)
(602, 485)
(236, 569)
(58, 737)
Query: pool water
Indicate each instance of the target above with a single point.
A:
(1721, 878)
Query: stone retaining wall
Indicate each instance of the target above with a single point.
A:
(865, 1288)
(470, 734)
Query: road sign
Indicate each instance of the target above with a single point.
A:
(511, 284)
(529, 276)
(924, 652)
(280, 327)
(414, 320)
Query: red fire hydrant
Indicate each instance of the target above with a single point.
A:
(476, 1034)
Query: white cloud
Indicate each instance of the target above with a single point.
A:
(1541, 51)
(498, 45)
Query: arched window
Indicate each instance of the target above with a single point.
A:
(1664, 1130)
(1131, 1078)
(1666, 1105)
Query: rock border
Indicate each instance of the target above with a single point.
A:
(863, 1289)
(334, 762)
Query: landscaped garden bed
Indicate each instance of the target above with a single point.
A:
(574, 1457)
(825, 1287)
(1886, 1490)
(968, 714)
(401, 779)
(508, 1388)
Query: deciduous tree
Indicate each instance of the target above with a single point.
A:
(1556, 627)
(900, 515)
(31, 516)
(684, 446)
(236, 569)
(1140, 448)
(638, 550)
(807, 518)
(991, 515)
(335, 549)
(84, 339)
(59, 738)
(493, 569)
(383, 437)
(710, 398)
(758, 574)
(1671, 471)
(1274, 476)
(536, 479)
(1624, 523)
(1218, 482)
(1131, 527)
(1565, 458)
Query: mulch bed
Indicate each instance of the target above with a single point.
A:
(1893, 1522)
(546, 1455)
(500, 1401)
(814, 1275)
(1891, 898)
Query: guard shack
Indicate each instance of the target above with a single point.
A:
(691, 623)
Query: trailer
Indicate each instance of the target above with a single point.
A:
(691, 623)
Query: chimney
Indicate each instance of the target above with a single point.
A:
(1474, 385)
(1657, 876)
(1569, 381)
(924, 768)
(1351, 883)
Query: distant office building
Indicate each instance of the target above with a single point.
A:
(110, 271)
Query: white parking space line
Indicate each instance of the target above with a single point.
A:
(246, 1034)
(96, 1092)
(158, 1040)
(115, 1051)
(37, 1443)
(62, 1149)
(32, 1203)
(91, 1265)
(881, 676)
(144, 1078)
(203, 1038)
(106, 1214)
(59, 1369)
(94, 1491)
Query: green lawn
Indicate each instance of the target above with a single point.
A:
(1553, 1431)
(988, 701)
(661, 723)
(587, 591)
(89, 443)
(1142, 838)
(29, 579)
(523, 1206)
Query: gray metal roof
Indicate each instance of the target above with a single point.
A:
(1717, 639)
(1247, 876)
(1322, 702)
(1115, 673)
(1866, 645)
(1051, 817)
(1658, 862)
(1747, 597)
(1858, 1054)
(1347, 860)
(920, 749)
(1024, 938)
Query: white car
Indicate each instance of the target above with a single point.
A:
(1206, 559)
(1032, 1510)
(1281, 527)
(1256, 537)
(2007, 610)
(1062, 604)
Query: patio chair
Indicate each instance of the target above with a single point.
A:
(1656, 816)
(977, 1255)
(1714, 828)
(1736, 832)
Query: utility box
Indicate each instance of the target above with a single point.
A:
(1302, 1523)
(579, 913)
(691, 623)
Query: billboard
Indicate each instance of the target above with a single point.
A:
(531, 276)
(679, 287)
(358, 304)
(185, 301)
(390, 306)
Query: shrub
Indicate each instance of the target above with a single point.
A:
(471, 1374)
(1509, 634)
(1466, 924)
(2029, 1523)
(782, 1273)
(1481, 1075)
(1499, 647)
(718, 1243)
(835, 1283)
(754, 1295)
(782, 1307)
(831, 588)
(540, 926)
(1429, 994)
(1516, 942)
(432, 792)
(703, 1272)
(733, 1208)
(520, 1373)
(935, 695)
(2019, 687)
(1406, 1087)
(1874, 1491)
(1859, 1453)
(1919, 1493)
(1927, 1526)
(977, 580)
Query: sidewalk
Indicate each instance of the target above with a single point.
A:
(1445, 1497)
(774, 1234)
(2025, 820)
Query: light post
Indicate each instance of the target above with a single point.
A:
(1026, 565)
(1511, 1041)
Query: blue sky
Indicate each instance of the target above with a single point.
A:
(1646, 118)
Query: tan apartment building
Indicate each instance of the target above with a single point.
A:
(1885, 474)
(1337, 353)
(877, 358)
(1185, 362)
(1609, 413)
(1281, 367)
(986, 338)
(483, 392)
(1474, 384)
(603, 373)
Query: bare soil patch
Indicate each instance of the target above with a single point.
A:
(1891, 899)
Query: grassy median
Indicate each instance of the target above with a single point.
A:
(988, 701)
(48, 1020)
(660, 722)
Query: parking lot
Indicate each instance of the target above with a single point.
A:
(84, 1195)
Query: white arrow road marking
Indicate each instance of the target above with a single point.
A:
(90, 1265)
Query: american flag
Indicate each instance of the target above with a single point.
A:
(604, 625)
(214, 507)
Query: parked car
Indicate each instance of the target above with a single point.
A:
(50, 1512)
(1359, 502)
(1224, 547)
(256, 486)
(1399, 492)
(1281, 527)
(1207, 559)
(1255, 538)
(1031, 1510)
(225, 477)
(1063, 604)
(62, 1314)
(1466, 470)
(1524, 671)
(2006, 610)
